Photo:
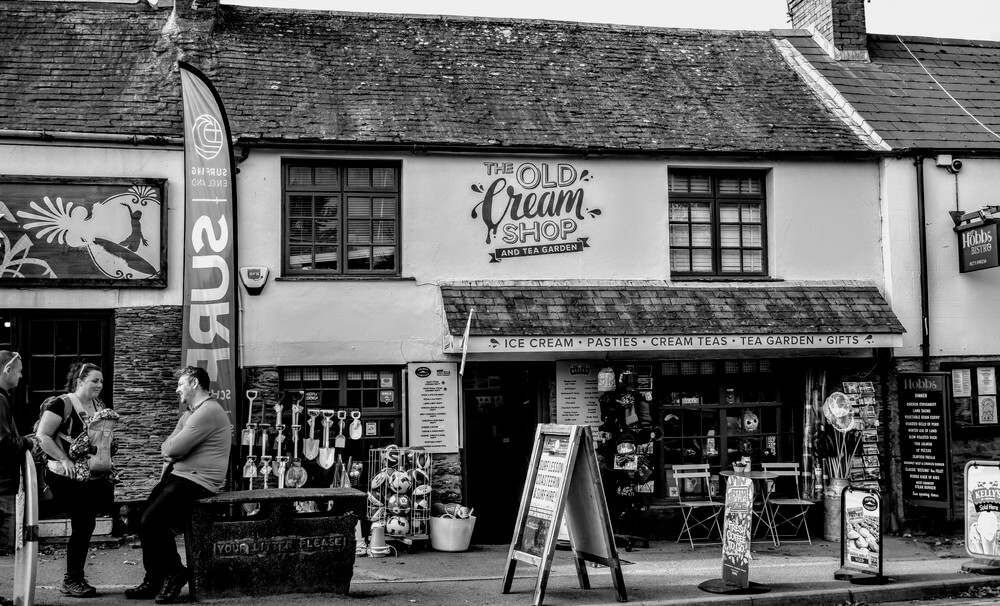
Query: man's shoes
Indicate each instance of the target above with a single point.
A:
(171, 591)
(77, 587)
(147, 590)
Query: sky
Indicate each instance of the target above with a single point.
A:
(970, 19)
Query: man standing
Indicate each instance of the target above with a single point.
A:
(196, 457)
(12, 449)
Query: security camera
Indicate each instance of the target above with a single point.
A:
(955, 166)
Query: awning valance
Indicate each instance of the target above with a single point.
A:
(643, 316)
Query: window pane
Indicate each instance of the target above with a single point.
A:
(327, 177)
(299, 175)
(358, 176)
(750, 213)
(359, 258)
(384, 257)
(752, 235)
(326, 231)
(729, 236)
(359, 207)
(679, 212)
(328, 206)
(359, 231)
(327, 257)
(384, 208)
(300, 231)
(701, 235)
(300, 206)
(300, 257)
(384, 177)
(680, 260)
(701, 261)
(384, 232)
(753, 260)
(701, 213)
(730, 260)
(729, 213)
(697, 184)
(679, 235)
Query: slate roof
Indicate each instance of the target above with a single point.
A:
(368, 79)
(914, 89)
(641, 308)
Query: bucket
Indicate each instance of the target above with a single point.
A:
(452, 534)
(831, 508)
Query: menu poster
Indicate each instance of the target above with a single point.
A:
(577, 397)
(862, 525)
(545, 493)
(925, 444)
(982, 509)
(987, 410)
(736, 532)
(987, 379)
(961, 383)
(432, 410)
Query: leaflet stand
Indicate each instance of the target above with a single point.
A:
(563, 476)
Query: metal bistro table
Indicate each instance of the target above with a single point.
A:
(759, 478)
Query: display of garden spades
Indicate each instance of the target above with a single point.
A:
(296, 475)
(327, 455)
(265, 459)
(251, 428)
(310, 445)
(341, 440)
(279, 440)
(355, 429)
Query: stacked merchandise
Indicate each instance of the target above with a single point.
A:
(399, 491)
(866, 466)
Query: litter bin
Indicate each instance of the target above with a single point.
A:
(268, 542)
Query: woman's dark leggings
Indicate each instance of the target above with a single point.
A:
(82, 501)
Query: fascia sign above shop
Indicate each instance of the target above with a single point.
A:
(662, 343)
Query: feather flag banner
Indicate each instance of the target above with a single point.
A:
(210, 278)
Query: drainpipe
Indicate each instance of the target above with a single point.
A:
(925, 343)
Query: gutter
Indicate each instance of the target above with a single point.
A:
(43, 135)
(925, 343)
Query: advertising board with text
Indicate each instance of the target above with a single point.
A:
(982, 509)
(432, 406)
(861, 547)
(736, 532)
(925, 440)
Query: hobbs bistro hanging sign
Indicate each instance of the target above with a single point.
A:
(977, 247)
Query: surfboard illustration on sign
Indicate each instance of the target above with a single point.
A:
(114, 232)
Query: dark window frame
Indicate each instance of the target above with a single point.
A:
(343, 193)
(716, 200)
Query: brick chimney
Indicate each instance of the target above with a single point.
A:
(836, 25)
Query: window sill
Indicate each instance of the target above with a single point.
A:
(372, 278)
(724, 279)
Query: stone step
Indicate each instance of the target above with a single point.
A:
(59, 528)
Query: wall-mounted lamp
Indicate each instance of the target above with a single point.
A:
(253, 278)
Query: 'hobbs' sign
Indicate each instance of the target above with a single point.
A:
(977, 248)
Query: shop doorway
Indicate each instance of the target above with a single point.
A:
(503, 403)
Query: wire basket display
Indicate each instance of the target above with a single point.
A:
(399, 490)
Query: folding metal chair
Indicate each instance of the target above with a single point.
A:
(786, 508)
(700, 510)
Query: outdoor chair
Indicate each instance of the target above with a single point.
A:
(699, 508)
(785, 506)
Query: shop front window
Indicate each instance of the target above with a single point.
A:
(717, 225)
(341, 218)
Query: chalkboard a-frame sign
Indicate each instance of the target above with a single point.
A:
(563, 478)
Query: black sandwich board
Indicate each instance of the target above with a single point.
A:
(563, 478)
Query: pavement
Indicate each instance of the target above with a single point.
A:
(665, 573)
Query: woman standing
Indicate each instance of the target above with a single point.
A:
(81, 494)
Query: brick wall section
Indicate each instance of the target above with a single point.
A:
(812, 14)
(147, 354)
(840, 22)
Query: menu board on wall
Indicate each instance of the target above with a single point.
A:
(432, 405)
(925, 442)
(577, 398)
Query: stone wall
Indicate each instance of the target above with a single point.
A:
(147, 354)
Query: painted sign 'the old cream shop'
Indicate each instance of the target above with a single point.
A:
(531, 209)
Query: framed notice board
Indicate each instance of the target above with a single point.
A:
(973, 398)
(925, 438)
(563, 478)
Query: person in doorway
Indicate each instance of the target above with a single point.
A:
(12, 449)
(196, 456)
(80, 494)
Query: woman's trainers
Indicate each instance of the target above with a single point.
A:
(77, 588)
